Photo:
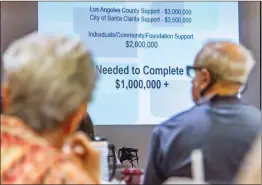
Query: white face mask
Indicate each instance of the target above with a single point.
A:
(239, 95)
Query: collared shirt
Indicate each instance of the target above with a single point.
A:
(224, 128)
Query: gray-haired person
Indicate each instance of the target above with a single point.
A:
(49, 82)
(220, 123)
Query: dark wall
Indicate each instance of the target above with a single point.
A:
(19, 18)
(249, 34)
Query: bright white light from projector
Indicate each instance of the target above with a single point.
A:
(129, 99)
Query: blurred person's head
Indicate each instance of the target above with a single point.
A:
(220, 68)
(48, 83)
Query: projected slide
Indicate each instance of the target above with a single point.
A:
(141, 51)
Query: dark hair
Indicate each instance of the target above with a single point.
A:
(87, 126)
(1, 106)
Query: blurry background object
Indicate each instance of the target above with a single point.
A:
(102, 146)
(130, 155)
(108, 158)
(132, 175)
(112, 161)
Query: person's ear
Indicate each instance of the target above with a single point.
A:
(72, 123)
(5, 93)
(205, 78)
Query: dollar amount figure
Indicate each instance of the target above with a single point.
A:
(141, 44)
(138, 84)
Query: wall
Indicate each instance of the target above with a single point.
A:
(19, 18)
(249, 29)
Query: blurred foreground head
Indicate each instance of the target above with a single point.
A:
(48, 81)
(220, 68)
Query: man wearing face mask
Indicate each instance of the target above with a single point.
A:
(220, 124)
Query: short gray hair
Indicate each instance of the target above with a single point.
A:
(226, 61)
(49, 77)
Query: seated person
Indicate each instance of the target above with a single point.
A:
(49, 82)
(220, 123)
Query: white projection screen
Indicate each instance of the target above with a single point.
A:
(141, 51)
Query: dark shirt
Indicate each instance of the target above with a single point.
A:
(224, 129)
